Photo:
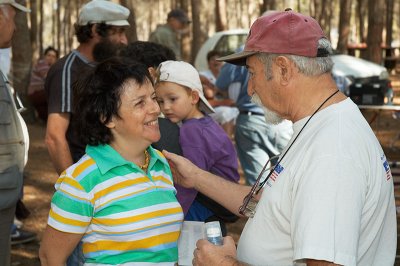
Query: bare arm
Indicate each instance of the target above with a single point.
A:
(56, 141)
(227, 193)
(56, 246)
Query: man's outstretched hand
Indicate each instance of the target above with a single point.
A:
(183, 171)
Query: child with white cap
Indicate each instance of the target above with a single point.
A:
(181, 98)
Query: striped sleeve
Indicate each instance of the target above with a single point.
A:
(71, 207)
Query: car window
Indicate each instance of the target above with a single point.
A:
(229, 43)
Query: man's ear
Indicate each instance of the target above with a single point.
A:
(2, 18)
(93, 31)
(284, 68)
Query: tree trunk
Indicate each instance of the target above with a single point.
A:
(58, 21)
(21, 54)
(362, 12)
(311, 7)
(65, 27)
(34, 30)
(131, 32)
(41, 27)
(375, 27)
(197, 36)
(185, 38)
(389, 23)
(71, 30)
(220, 14)
(344, 25)
(327, 10)
(53, 28)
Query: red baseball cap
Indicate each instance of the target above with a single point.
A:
(284, 32)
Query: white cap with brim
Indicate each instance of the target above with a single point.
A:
(184, 74)
(15, 4)
(103, 11)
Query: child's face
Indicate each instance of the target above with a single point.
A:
(176, 102)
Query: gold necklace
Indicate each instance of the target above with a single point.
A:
(146, 161)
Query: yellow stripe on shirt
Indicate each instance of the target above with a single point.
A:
(130, 245)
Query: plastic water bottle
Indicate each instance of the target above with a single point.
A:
(214, 234)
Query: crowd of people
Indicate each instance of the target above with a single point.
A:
(142, 141)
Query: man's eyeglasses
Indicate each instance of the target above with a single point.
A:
(250, 202)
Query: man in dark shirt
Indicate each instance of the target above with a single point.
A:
(100, 23)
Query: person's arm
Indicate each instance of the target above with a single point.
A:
(56, 246)
(56, 141)
(225, 77)
(188, 175)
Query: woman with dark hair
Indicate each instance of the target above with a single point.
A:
(36, 92)
(119, 198)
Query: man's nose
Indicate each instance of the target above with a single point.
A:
(124, 39)
(250, 90)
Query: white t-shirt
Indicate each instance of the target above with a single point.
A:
(330, 199)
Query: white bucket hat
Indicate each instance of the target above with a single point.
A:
(103, 11)
(184, 74)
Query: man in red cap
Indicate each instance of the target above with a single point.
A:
(329, 199)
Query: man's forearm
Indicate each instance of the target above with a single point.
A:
(60, 154)
(56, 141)
(227, 193)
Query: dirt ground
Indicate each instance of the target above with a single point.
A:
(40, 178)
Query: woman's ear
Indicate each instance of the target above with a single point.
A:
(110, 124)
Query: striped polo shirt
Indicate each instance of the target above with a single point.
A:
(126, 217)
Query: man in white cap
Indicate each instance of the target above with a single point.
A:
(12, 143)
(100, 22)
(329, 199)
(100, 29)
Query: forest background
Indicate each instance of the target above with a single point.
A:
(372, 25)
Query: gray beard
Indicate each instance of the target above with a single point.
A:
(270, 116)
